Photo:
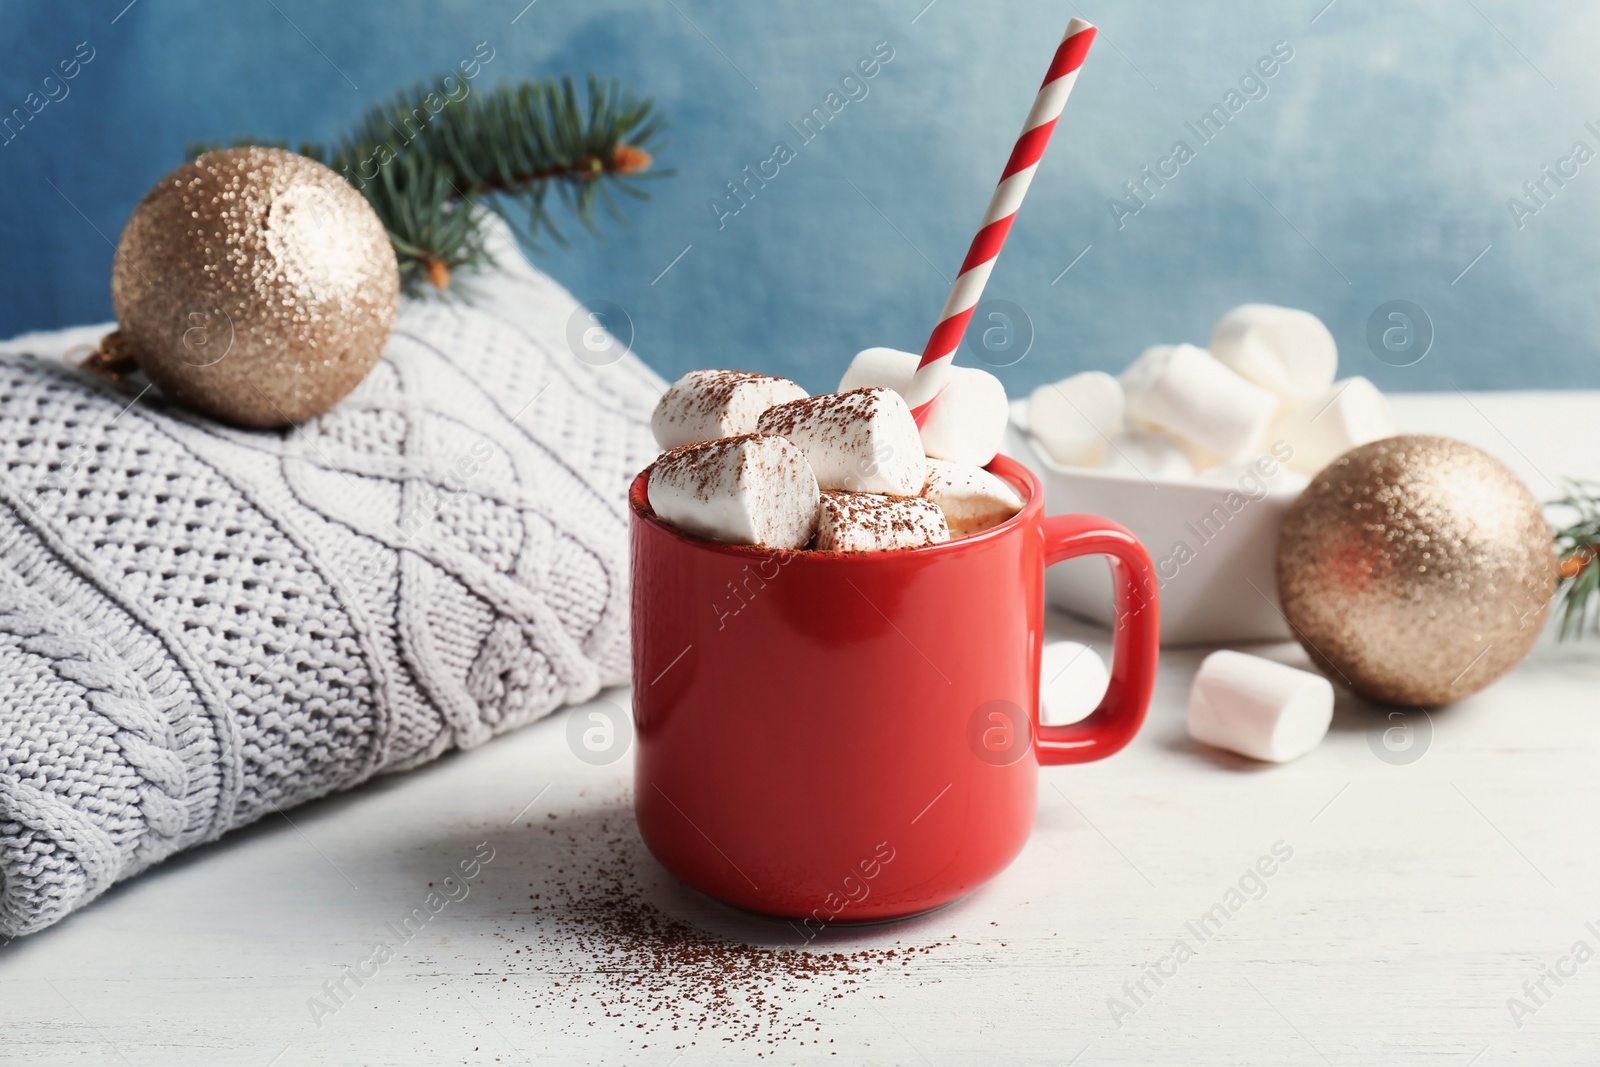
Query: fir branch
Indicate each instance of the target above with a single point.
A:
(429, 159)
(1578, 544)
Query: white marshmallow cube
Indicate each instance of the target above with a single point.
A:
(1350, 413)
(1072, 679)
(1259, 708)
(863, 441)
(1181, 389)
(967, 423)
(868, 522)
(704, 405)
(1072, 419)
(971, 498)
(1140, 454)
(754, 489)
(1282, 349)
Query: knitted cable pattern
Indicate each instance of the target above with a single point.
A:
(201, 625)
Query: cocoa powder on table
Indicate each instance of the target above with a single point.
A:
(662, 979)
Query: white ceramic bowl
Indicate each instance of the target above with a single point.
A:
(1214, 543)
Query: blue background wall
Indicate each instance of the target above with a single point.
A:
(1377, 167)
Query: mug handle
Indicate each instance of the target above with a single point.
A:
(1137, 641)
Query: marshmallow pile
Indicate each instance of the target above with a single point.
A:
(753, 460)
(1179, 411)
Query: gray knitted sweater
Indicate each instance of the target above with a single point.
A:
(200, 626)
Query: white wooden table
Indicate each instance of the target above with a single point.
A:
(1419, 898)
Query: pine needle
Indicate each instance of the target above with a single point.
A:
(1578, 545)
(430, 158)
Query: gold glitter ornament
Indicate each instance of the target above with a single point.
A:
(255, 285)
(1416, 569)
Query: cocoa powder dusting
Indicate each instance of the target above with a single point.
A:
(831, 414)
(713, 389)
(863, 521)
(716, 387)
(665, 982)
(697, 466)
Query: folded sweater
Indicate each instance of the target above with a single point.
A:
(201, 625)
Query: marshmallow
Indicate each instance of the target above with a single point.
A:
(971, 498)
(1072, 679)
(1287, 351)
(754, 489)
(1349, 413)
(1072, 418)
(1181, 389)
(863, 522)
(865, 440)
(704, 405)
(1147, 455)
(965, 425)
(1259, 708)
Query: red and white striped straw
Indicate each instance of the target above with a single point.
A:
(931, 373)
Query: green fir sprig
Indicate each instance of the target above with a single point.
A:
(428, 160)
(1578, 544)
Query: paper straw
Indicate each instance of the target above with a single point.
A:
(934, 369)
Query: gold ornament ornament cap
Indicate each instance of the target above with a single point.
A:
(1416, 570)
(256, 286)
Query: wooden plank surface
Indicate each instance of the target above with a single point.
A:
(1418, 899)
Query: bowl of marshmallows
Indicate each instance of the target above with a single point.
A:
(1199, 453)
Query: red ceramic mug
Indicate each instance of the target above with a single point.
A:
(853, 737)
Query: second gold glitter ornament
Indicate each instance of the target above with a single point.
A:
(1416, 570)
(255, 286)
